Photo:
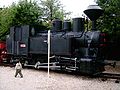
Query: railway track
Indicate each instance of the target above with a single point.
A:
(110, 75)
(105, 76)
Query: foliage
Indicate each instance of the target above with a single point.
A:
(25, 12)
(110, 21)
(6, 19)
(52, 9)
(28, 12)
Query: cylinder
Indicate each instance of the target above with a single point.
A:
(78, 24)
(67, 25)
(57, 25)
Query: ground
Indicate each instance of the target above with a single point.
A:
(38, 80)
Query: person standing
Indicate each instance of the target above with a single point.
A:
(18, 69)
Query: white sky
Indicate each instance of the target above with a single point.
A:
(75, 6)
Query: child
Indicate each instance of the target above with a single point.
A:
(18, 69)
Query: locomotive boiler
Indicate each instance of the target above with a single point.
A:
(72, 47)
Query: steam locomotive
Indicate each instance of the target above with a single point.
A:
(74, 49)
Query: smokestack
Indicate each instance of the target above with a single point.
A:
(93, 12)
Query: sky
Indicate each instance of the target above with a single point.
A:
(75, 6)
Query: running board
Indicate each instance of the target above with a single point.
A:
(26, 65)
(38, 67)
(51, 67)
(71, 68)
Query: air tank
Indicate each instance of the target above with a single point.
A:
(78, 24)
(57, 25)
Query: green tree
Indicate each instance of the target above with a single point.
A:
(110, 21)
(6, 19)
(52, 9)
(28, 12)
(25, 12)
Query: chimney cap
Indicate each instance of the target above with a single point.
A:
(94, 7)
(93, 12)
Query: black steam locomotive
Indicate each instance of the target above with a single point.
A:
(73, 49)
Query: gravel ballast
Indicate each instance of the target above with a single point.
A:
(38, 80)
